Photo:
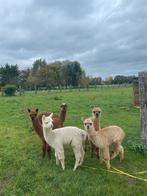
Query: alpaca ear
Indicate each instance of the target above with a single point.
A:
(37, 110)
(29, 110)
(43, 117)
(92, 106)
(51, 115)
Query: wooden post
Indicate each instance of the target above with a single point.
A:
(136, 92)
(143, 105)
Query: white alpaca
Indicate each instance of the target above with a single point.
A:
(57, 138)
(104, 138)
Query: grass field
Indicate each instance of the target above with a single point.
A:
(24, 172)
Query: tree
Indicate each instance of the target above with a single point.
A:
(57, 73)
(9, 74)
(95, 81)
(109, 80)
(120, 79)
(33, 78)
(73, 72)
(23, 77)
(38, 64)
(84, 81)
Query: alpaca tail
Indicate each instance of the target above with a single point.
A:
(119, 136)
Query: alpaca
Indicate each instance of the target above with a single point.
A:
(57, 138)
(58, 119)
(57, 122)
(104, 138)
(96, 114)
(38, 128)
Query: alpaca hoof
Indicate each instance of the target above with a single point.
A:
(63, 168)
(108, 167)
(75, 167)
(121, 160)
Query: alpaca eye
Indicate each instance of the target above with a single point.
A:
(94, 112)
(85, 124)
(90, 123)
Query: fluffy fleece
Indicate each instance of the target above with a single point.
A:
(59, 137)
(104, 138)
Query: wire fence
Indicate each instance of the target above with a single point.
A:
(21, 91)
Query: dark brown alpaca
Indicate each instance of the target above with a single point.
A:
(58, 120)
(37, 120)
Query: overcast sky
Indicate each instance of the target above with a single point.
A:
(108, 37)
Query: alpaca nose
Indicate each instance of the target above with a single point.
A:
(87, 126)
(97, 114)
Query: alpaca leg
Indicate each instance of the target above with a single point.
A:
(121, 153)
(116, 150)
(92, 149)
(106, 157)
(43, 149)
(108, 164)
(101, 155)
(62, 163)
(82, 158)
(61, 158)
(57, 160)
(86, 144)
(48, 151)
(97, 152)
(78, 157)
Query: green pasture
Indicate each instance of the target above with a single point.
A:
(24, 172)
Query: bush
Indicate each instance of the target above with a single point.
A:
(137, 146)
(9, 90)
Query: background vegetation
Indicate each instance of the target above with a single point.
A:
(24, 172)
(65, 74)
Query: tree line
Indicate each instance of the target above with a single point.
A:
(57, 74)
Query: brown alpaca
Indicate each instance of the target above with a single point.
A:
(96, 113)
(104, 138)
(57, 123)
(39, 130)
(58, 120)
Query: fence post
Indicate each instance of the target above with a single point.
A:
(136, 92)
(143, 105)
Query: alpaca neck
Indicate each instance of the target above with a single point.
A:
(97, 125)
(62, 114)
(49, 136)
(92, 132)
(95, 137)
(38, 128)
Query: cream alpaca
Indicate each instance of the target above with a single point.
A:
(104, 138)
(67, 135)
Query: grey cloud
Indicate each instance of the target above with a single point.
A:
(108, 37)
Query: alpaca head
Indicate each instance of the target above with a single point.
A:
(63, 107)
(88, 124)
(96, 112)
(47, 121)
(33, 114)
